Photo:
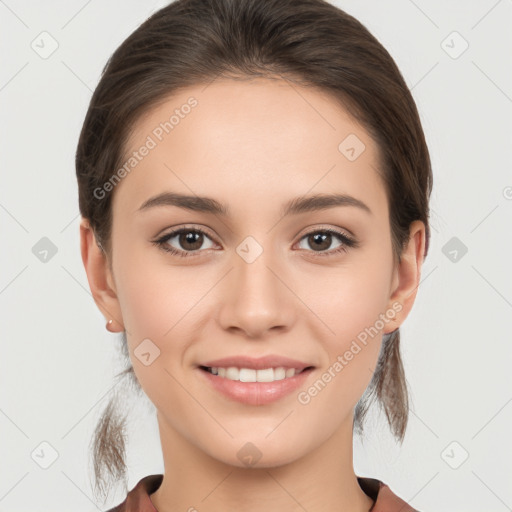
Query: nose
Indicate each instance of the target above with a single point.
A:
(256, 298)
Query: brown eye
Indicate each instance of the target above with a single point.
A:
(320, 242)
(184, 241)
(191, 240)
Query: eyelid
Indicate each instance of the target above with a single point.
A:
(325, 227)
(192, 227)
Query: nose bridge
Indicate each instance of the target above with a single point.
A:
(255, 297)
(253, 277)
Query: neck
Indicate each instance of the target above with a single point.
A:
(323, 479)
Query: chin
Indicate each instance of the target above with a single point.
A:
(257, 454)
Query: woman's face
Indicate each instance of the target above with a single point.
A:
(253, 281)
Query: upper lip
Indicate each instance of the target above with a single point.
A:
(257, 363)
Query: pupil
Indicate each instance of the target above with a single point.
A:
(319, 239)
(193, 239)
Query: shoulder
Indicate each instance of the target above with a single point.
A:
(137, 500)
(385, 500)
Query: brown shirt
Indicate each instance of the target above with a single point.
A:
(138, 499)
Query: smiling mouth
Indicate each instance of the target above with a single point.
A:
(253, 375)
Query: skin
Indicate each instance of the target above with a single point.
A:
(253, 145)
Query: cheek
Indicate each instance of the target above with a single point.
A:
(353, 298)
(353, 305)
(352, 308)
(154, 296)
(166, 305)
(160, 304)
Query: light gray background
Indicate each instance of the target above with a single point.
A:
(57, 359)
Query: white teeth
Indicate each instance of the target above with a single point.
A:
(232, 373)
(245, 375)
(266, 375)
(290, 372)
(279, 373)
(252, 375)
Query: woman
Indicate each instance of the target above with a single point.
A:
(254, 185)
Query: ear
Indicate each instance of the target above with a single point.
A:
(99, 275)
(407, 274)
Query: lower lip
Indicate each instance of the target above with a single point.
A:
(256, 393)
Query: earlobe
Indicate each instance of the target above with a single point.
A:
(100, 277)
(113, 326)
(408, 274)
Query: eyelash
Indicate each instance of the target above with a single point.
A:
(346, 242)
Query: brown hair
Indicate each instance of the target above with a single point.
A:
(308, 42)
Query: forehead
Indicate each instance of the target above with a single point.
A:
(259, 137)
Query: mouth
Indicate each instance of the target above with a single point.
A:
(254, 387)
(271, 374)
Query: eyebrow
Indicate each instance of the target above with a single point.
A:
(295, 206)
